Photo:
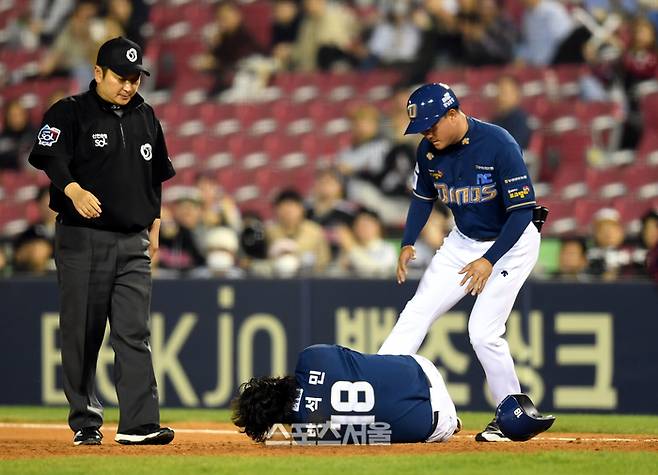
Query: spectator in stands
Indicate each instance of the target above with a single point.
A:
(328, 37)
(4, 268)
(254, 246)
(221, 254)
(179, 247)
(509, 113)
(395, 40)
(74, 51)
(44, 226)
(285, 28)
(648, 243)
(572, 260)
(488, 36)
(16, 138)
(608, 257)
(116, 19)
(364, 251)
(441, 40)
(230, 43)
(129, 17)
(546, 23)
(400, 159)
(329, 208)
(431, 238)
(363, 161)
(639, 63)
(34, 256)
(33, 248)
(650, 239)
(217, 208)
(47, 19)
(290, 224)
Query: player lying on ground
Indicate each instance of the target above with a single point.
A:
(339, 389)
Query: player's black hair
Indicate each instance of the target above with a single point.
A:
(263, 402)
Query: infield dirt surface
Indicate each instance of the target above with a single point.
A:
(24, 441)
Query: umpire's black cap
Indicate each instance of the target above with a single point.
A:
(122, 56)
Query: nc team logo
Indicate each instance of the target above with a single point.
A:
(100, 140)
(131, 54)
(48, 135)
(146, 151)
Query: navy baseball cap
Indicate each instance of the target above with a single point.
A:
(427, 105)
(122, 56)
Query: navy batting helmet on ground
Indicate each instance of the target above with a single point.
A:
(519, 419)
(427, 105)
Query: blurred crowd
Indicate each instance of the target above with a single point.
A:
(348, 224)
(204, 234)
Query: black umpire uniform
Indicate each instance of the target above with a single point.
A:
(118, 153)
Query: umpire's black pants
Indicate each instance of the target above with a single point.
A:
(105, 275)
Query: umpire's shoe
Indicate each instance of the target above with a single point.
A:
(491, 433)
(148, 434)
(88, 436)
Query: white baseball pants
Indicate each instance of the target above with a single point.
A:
(439, 291)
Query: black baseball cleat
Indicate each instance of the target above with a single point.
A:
(148, 434)
(491, 433)
(88, 436)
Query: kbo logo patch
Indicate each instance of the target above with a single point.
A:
(48, 135)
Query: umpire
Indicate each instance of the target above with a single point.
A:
(105, 154)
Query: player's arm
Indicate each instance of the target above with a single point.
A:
(424, 195)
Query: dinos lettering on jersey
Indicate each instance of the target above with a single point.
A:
(466, 194)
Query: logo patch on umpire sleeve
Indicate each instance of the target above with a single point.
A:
(48, 135)
(146, 151)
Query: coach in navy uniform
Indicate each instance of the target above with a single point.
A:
(105, 154)
(340, 392)
(477, 170)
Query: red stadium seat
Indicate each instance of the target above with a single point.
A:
(647, 150)
(606, 183)
(638, 175)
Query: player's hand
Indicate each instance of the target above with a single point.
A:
(478, 272)
(407, 253)
(84, 201)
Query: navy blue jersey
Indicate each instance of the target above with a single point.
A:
(344, 386)
(480, 178)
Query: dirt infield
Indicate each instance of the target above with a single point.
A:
(20, 441)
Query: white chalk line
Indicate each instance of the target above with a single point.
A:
(13, 425)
